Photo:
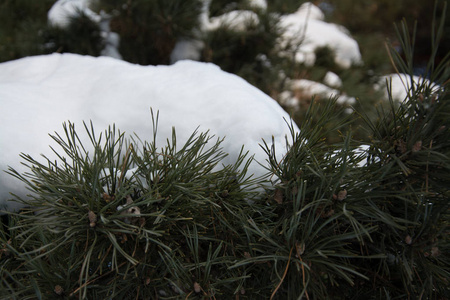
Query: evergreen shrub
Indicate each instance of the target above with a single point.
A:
(335, 221)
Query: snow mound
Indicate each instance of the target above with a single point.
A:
(307, 31)
(40, 93)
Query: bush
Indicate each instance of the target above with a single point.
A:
(338, 221)
(161, 213)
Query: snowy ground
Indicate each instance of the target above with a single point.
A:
(40, 93)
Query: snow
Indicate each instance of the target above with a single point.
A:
(258, 4)
(190, 49)
(400, 85)
(309, 11)
(40, 93)
(111, 49)
(307, 31)
(111, 39)
(63, 11)
(300, 89)
(304, 32)
(238, 20)
(287, 99)
(332, 79)
(311, 88)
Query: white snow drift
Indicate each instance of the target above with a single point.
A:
(39, 93)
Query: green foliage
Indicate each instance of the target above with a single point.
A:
(372, 17)
(130, 221)
(284, 6)
(133, 221)
(325, 58)
(24, 31)
(126, 222)
(124, 219)
(250, 54)
(149, 29)
(82, 36)
(219, 7)
(20, 22)
(410, 153)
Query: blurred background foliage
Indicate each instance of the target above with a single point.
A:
(21, 22)
(371, 22)
(149, 29)
(85, 37)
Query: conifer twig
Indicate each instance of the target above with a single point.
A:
(284, 275)
(426, 168)
(125, 162)
(96, 278)
(303, 273)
